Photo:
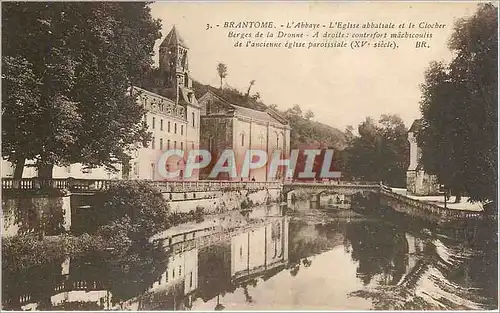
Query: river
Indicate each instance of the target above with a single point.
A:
(309, 260)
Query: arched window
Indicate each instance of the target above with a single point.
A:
(242, 139)
(209, 105)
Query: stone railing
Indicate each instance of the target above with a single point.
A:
(334, 183)
(434, 209)
(164, 186)
(204, 185)
(55, 183)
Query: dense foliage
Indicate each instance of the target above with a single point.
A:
(379, 153)
(135, 205)
(66, 70)
(460, 106)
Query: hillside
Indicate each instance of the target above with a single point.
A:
(304, 130)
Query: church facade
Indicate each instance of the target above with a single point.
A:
(226, 125)
(418, 182)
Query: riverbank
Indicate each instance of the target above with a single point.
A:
(464, 204)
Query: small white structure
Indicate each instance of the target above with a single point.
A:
(418, 182)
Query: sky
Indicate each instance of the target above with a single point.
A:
(341, 86)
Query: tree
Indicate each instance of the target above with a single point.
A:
(135, 204)
(222, 71)
(466, 93)
(379, 153)
(295, 110)
(75, 62)
(252, 82)
(309, 115)
(256, 96)
(441, 131)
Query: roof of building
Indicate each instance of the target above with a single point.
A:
(415, 126)
(265, 116)
(173, 38)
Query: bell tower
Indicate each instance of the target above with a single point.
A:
(174, 62)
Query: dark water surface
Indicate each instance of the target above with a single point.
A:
(307, 260)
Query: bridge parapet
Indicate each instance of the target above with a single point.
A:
(343, 188)
(92, 185)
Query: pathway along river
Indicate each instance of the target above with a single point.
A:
(305, 260)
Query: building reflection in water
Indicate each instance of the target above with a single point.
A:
(214, 270)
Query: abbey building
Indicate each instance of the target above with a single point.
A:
(173, 115)
(177, 121)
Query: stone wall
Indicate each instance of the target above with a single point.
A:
(218, 201)
(421, 184)
(29, 212)
(55, 213)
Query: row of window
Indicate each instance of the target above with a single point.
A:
(173, 277)
(153, 144)
(153, 125)
(242, 136)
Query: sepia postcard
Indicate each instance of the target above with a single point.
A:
(249, 156)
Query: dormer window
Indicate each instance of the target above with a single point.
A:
(190, 96)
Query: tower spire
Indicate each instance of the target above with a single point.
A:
(174, 64)
(173, 39)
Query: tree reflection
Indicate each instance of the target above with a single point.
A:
(132, 273)
(306, 240)
(379, 249)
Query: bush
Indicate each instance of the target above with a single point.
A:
(199, 214)
(137, 203)
(196, 215)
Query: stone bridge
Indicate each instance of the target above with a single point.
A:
(313, 191)
(346, 188)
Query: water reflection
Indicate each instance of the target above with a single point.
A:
(279, 263)
(208, 272)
